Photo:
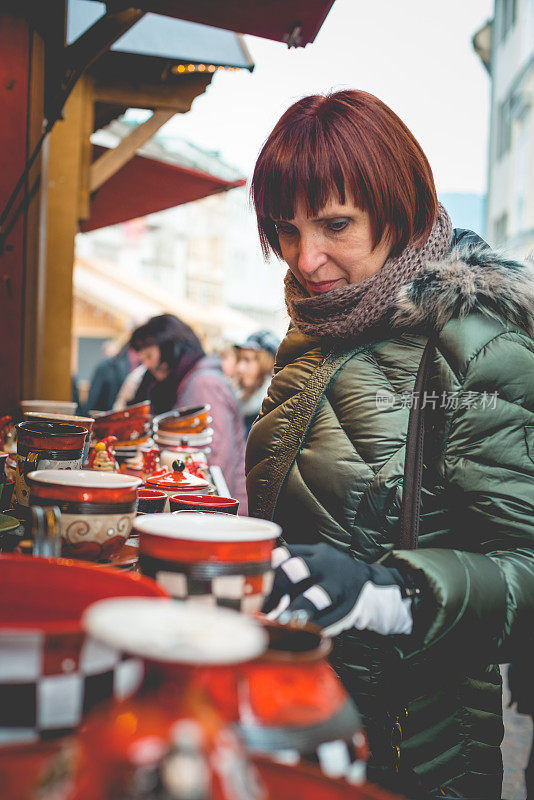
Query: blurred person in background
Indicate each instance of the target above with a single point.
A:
(108, 377)
(254, 370)
(179, 374)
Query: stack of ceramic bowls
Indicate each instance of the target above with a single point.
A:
(97, 509)
(131, 427)
(189, 427)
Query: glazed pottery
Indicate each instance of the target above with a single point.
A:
(151, 501)
(191, 420)
(51, 673)
(129, 425)
(203, 502)
(83, 422)
(97, 509)
(210, 558)
(49, 406)
(46, 446)
(168, 741)
(181, 481)
(291, 705)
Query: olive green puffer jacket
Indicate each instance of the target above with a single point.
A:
(435, 689)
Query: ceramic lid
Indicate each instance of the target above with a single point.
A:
(208, 527)
(174, 632)
(176, 482)
(84, 478)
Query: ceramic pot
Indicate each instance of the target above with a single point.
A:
(83, 422)
(168, 740)
(97, 509)
(204, 502)
(46, 446)
(181, 481)
(150, 501)
(291, 705)
(210, 558)
(51, 673)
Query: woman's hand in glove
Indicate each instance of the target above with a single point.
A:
(335, 591)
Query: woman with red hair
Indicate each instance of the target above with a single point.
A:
(401, 413)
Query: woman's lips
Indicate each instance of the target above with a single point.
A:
(322, 286)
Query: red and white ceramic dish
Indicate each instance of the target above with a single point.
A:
(191, 420)
(49, 406)
(204, 502)
(130, 424)
(46, 446)
(84, 422)
(51, 673)
(216, 559)
(178, 482)
(97, 509)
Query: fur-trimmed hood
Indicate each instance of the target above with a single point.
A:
(470, 277)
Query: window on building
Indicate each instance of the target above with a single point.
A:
(504, 127)
(500, 229)
(508, 12)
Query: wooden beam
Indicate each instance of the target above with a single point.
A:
(178, 95)
(111, 162)
(86, 129)
(52, 361)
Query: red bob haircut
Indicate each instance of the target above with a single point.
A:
(347, 144)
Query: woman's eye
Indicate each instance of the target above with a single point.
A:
(338, 225)
(285, 229)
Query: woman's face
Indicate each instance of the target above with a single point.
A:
(248, 369)
(331, 249)
(150, 358)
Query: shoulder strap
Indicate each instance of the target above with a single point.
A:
(413, 462)
(283, 457)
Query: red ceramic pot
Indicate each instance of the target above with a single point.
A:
(97, 508)
(46, 446)
(83, 422)
(168, 738)
(203, 502)
(138, 410)
(290, 704)
(212, 558)
(51, 672)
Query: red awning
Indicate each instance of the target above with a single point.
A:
(272, 19)
(146, 185)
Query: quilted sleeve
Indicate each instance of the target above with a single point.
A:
(478, 599)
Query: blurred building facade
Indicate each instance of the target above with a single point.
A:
(506, 46)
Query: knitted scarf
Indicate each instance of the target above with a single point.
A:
(354, 308)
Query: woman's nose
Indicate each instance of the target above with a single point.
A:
(311, 256)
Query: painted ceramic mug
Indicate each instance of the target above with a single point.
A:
(215, 559)
(97, 509)
(46, 446)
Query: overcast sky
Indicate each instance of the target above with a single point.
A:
(415, 55)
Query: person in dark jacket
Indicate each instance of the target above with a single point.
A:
(107, 379)
(180, 374)
(345, 196)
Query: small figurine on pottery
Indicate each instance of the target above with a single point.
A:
(103, 455)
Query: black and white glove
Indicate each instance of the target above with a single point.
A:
(320, 584)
